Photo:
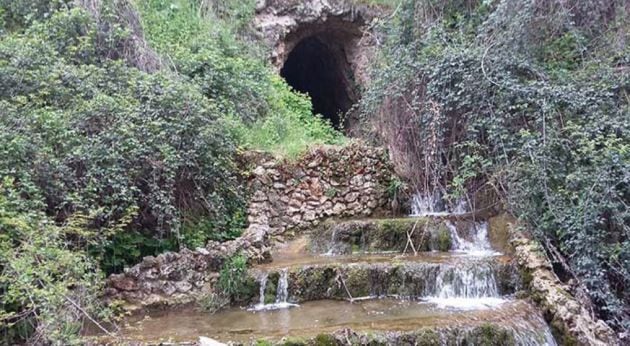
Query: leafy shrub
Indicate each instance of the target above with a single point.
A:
(262, 111)
(290, 127)
(233, 279)
(47, 287)
(507, 96)
(109, 137)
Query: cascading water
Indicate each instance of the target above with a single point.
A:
(479, 246)
(282, 293)
(432, 204)
(333, 242)
(263, 287)
(465, 287)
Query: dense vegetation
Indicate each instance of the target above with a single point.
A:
(529, 98)
(120, 126)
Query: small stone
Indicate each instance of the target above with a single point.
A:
(351, 197)
(202, 251)
(296, 219)
(357, 180)
(338, 208)
(259, 171)
(123, 283)
(259, 196)
(183, 286)
(310, 215)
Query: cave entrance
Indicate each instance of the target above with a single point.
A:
(318, 67)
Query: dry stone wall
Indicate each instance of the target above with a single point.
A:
(349, 181)
(286, 197)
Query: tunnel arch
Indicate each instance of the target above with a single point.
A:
(317, 60)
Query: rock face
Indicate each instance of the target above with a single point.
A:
(571, 322)
(328, 181)
(284, 23)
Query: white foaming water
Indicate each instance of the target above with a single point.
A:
(465, 288)
(333, 238)
(282, 293)
(425, 204)
(480, 246)
(467, 303)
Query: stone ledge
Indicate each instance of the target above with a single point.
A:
(570, 321)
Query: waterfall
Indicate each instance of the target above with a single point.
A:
(471, 282)
(263, 288)
(479, 246)
(333, 242)
(465, 287)
(282, 293)
(432, 204)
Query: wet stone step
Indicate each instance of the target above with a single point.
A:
(464, 278)
(378, 321)
(339, 237)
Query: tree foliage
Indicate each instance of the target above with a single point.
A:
(120, 124)
(530, 98)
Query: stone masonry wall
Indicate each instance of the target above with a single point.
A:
(286, 197)
(348, 181)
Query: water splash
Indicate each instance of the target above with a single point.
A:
(263, 287)
(333, 240)
(282, 293)
(466, 288)
(479, 246)
(432, 204)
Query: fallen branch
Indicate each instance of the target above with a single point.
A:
(409, 241)
(343, 282)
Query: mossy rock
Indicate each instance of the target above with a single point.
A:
(489, 335)
(443, 239)
(561, 334)
(427, 337)
(324, 340)
(371, 235)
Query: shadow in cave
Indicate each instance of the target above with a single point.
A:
(319, 69)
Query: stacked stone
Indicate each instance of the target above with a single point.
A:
(328, 181)
(342, 182)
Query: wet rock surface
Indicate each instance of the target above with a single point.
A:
(571, 322)
(402, 235)
(401, 277)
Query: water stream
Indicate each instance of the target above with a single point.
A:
(327, 316)
(282, 293)
(478, 245)
(432, 204)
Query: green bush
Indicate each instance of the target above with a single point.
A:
(289, 129)
(48, 287)
(109, 137)
(233, 279)
(506, 96)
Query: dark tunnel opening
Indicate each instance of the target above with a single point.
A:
(320, 70)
